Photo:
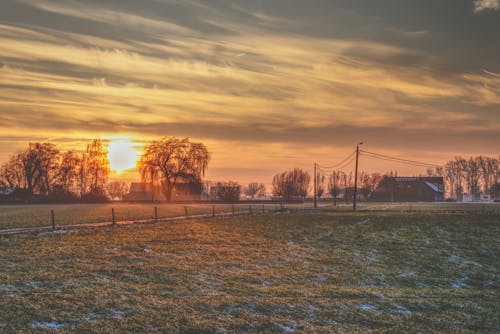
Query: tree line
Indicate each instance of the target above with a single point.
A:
(43, 172)
(474, 175)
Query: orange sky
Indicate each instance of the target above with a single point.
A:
(266, 86)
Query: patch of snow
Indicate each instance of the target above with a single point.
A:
(368, 307)
(465, 263)
(401, 310)
(147, 250)
(460, 283)
(266, 283)
(407, 274)
(51, 324)
(118, 313)
(453, 258)
(322, 279)
(288, 329)
(290, 243)
(490, 282)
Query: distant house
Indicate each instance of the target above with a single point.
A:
(409, 189)
(141, 192)
(470, 198)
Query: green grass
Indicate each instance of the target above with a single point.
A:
(325, 272)
(17, 216)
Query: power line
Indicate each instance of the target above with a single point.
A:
(340, 163)
(399, 160)
(340, 167)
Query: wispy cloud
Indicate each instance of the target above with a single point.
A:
(228, 75)
(481, 5)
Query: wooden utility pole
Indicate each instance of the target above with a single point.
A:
(315, 188)
(354, 200)
(334, 175)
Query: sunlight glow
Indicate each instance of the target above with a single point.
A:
(122, 155)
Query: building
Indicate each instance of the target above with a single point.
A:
(409, 189)
(142, 192)
(470, 198)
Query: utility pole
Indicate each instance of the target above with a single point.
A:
(315, 188)
(334, 175)
(354, 200)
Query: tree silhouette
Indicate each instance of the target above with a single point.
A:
(168, 161)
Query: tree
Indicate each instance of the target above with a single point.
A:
(228, 191)
(168, 161)
(333, 185)
(472, 176)
(39, 164)
(67, 175)
(255, 189)
(117, 189)
(320, 185)
(294, 183)
(488, 167)
(436, 171)
(495, 191)
(12, 173)
(97, 166)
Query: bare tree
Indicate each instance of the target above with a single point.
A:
(333, 185)
(488, 167)
(436, 171)
(472, 176)
(167, 161)
(40, 163)
(255, 189)
(68, 171)
(290, 184)
(228, 191)
(320, 184)
(12, 173)
(97, 166)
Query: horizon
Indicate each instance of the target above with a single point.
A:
(266, 86)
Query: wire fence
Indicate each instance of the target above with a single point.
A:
(39, 217)
(20, 219)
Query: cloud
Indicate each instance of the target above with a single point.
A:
(481, 5)
(152, 69)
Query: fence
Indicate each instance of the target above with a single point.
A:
(123, 215)
(40, 217)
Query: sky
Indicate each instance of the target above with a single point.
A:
(267, 85)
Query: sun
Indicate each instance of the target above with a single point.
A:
(122, 155)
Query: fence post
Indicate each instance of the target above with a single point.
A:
(263, 209)
(186, 211)
(53, 219)
(281, 206)
(213, 210)
(156, 214)
(233, 209)
(113, 221)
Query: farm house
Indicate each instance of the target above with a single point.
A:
(140, 192)
(409, 189)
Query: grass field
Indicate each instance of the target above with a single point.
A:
(16, 216)
(324, 272)
(19, 216)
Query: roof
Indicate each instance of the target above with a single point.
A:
(435, 186)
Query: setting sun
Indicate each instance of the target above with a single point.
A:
(122, 155)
